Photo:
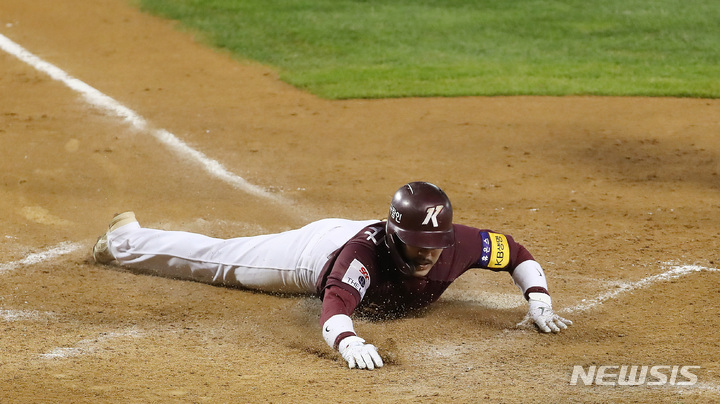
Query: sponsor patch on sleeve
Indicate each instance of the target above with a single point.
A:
(500, 250)
(495, 250)
(358, 277)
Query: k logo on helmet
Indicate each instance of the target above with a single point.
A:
(432, 214)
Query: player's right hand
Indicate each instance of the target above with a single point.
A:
(359, 354)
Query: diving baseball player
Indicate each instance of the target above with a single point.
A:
(392, 266)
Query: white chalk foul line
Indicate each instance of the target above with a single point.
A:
(706, 386)
(89, 346)
(36, 258)
(674, 273)
(113, 107)
(60, 249)
(20, 315)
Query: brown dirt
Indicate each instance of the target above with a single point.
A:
(601, 190)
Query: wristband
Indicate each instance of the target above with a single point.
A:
(335, 326)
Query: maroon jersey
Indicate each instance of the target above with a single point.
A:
(361, 274)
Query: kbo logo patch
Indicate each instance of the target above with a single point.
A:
(358, 277)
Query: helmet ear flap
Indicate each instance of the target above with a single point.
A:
(394, 246)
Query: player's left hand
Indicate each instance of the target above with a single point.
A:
(541, 314)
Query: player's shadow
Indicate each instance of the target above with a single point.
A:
(450, 311)
(474, 314)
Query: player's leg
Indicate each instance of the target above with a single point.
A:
(170, 254)
(286, 262)
(290, 261)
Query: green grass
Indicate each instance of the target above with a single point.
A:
(401, 48)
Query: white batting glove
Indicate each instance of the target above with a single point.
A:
(541, 314)
(359, 354)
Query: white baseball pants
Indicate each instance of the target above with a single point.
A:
(288, 262)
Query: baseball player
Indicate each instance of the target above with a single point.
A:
(391, 267)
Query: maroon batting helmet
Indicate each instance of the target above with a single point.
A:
(420, 216)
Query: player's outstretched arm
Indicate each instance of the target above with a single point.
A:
(530, 278)
(338, 332)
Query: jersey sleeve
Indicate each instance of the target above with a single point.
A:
(349, 279)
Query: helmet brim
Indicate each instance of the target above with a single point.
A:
(426, 239)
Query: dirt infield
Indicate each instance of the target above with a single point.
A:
(618, 198)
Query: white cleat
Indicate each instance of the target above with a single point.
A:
(101, 252)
